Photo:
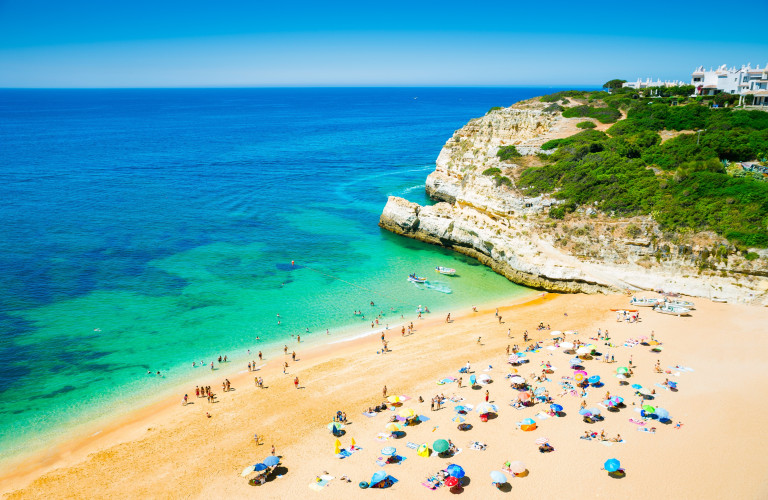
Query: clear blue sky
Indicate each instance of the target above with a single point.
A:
(168, 43)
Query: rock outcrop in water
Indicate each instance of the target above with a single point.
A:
(589, 252)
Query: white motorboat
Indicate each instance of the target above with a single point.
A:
(644, 302)
(670, 309)
(445, 270)
(681, 303)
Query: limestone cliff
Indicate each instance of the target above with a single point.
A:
(587, 252)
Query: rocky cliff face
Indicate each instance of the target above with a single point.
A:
(492, 221)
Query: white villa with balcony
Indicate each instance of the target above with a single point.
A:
(742, 81)
(648, 83)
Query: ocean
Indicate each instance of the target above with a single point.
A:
(147, 229)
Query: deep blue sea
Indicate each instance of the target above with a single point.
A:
(143, 230)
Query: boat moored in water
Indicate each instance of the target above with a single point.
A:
(445, 270)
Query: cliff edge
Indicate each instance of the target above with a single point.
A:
(482, 213)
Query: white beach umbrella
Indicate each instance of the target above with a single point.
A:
(583, 350)
(555, 332)
(484, 379)
(566, 345)
(517, 379)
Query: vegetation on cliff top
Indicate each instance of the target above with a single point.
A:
(682, 182)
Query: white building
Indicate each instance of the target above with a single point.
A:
(648, 83)
(742, 81)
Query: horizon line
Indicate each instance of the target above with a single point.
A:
(213, 87)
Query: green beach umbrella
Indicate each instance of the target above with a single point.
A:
(649, 409)
(622, 369)
(440, 446)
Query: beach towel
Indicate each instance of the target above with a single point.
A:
(343, 454)
(423, 418)
(541, 415)
(430, 485)
(662, 386)
(412, 446)
(637, 422)
(382, 436)
(643, 429)
(316, 486)
(369, 414)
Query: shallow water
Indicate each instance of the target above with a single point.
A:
(147, 229)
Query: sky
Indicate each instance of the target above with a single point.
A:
(220, 43)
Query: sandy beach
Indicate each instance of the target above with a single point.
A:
(172, 451)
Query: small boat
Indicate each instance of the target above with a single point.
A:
(445, 270)
(416, 279)
(681, 303)
(669, 309)
(627, 310)
(644, 302)
(719, 299)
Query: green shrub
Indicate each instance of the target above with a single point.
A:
(495, 108)
(502, 179)
(601, 114)
(492, 171)
(586, 124)
(508, 152)
(553, 108)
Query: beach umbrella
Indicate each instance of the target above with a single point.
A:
(512, 370)
(247, 470)
(451, 481)
(539, 391)
(259, 467)
(662, 413)
(580, 372)
(423, 450)
(472, 379)
(575, 361)
(608, 402)
(585, 412)
(617, 399)
(594, 411)
(484, 379)
(406, 413)
(352, 444)
(622, 369)
(335, 426)
(621, 376)
(498, 477)
(523, 396)
(528, 421)
(378, 477)
(393, 427)
(517, 379)
(612, 465)
(440, 446)
(486, 408)
(455, 471)
(388, 451)
(570, 332)
(394, 399)
(644, 391)
(636, 386)
(513, 358)
(649, 409)
(566, 345)
(594, 379)
(460, 408)
(517, 467)
(458, 419)
(555, 332)
(583, 350)
(578, 377)
(271, 461)
(337, 447)
(556, 408)
(542, 440)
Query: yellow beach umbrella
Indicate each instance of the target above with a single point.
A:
(394, 399)
(352, 444)
(406, 413)
(393, 427)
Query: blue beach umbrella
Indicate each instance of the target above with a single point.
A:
(388, 451)
(556, 407)
(608, 402)
(472, 379)
(271, 461)
(528, 421)
(594, 411)
(498, 477)
(575, 361)
(585, 412)
(662, 413)
(636, 386)
(594, 379)
(539, 391)
(259, 467)
(612, 465)
(455, 470)
(458, 408)
(521, 355)
(378, 477)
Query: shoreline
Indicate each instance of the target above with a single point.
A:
(110, 431)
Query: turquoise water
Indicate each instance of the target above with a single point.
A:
(147, 229)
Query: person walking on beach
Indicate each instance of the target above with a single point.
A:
(273, 450)
(448, 318)
(487, 394)
(293, 355)
(285, 367)
(249, 366)
(384, 391)
(296, 382)
(499, 319)
(211, 365)
(184, 403)
(259, 355)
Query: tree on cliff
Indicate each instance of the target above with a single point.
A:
(613, 84)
